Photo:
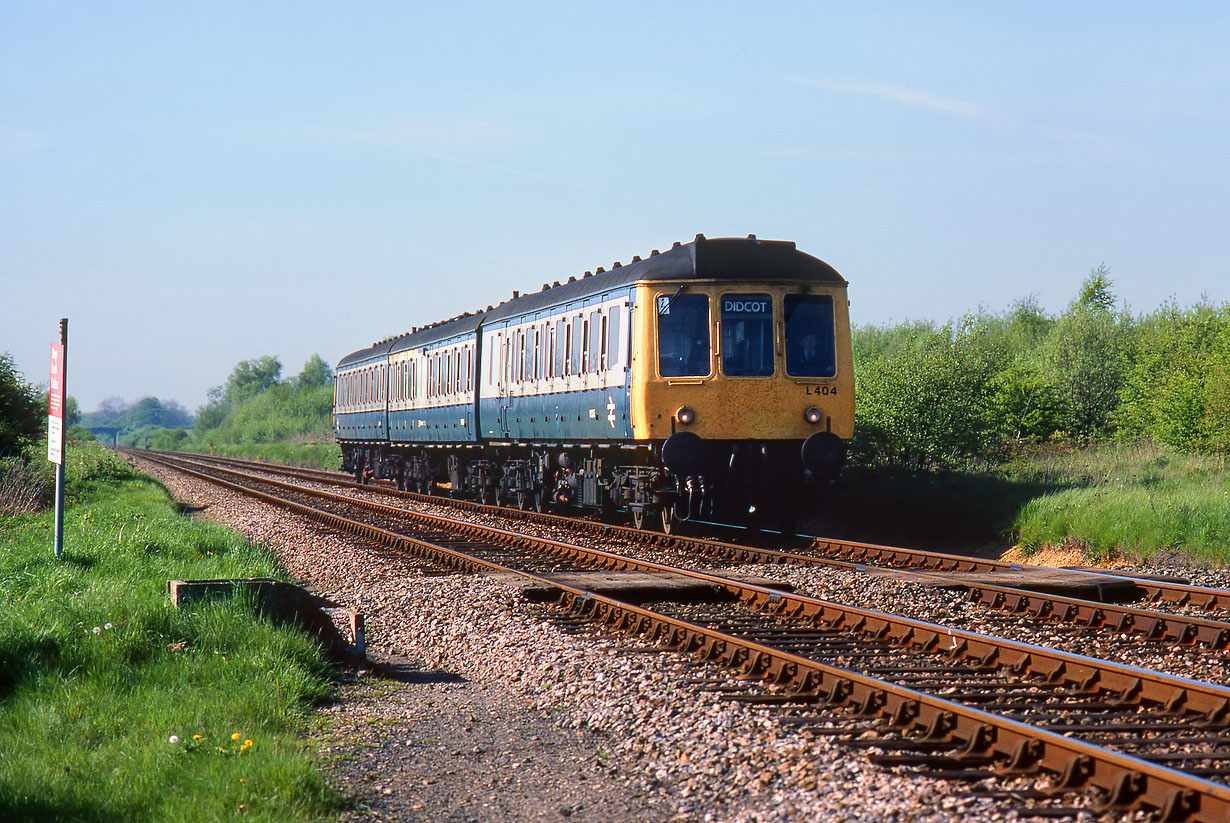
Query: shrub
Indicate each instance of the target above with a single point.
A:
(22, 415)
(1177, 390)
(923, 394)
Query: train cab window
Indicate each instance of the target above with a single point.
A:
(810, 350)
(683, 335)
(747, 335)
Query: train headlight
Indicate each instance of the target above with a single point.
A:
(813, 415)
(685, 415)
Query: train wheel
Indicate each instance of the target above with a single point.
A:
(668, 521)
(638, 517)
(542, 501)
(522, 500)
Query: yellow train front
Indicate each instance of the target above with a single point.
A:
(742, 378)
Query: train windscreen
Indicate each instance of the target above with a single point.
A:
(747, 335)
(810, 350)
(683, 335)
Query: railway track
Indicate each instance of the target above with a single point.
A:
(977, 576)
(953, 702)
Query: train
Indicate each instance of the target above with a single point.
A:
(713, 380)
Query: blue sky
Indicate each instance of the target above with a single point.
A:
(197, 185)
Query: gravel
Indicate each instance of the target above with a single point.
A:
(491, 710)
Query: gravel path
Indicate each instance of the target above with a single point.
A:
(494, 712)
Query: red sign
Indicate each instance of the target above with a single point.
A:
(55, 402)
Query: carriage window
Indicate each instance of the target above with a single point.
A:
(527, 356)
(612, 340)
(809, 336)
(595, 342)
(560, 341)
(537, 353)
(576, 334)
(584, 345)
(683, 335)
(604, 363)
(747, 335)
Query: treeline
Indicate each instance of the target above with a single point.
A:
(133, 424)
(257, 406)
(952, 396)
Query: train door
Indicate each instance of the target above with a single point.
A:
(618, 361)
(503, 382)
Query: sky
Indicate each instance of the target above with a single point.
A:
(194, 185)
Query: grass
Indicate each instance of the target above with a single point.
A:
(105, 686)
(1142, 502)
(310, 454)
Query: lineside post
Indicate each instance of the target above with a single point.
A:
(55, 425)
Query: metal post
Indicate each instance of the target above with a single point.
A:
(59, 533)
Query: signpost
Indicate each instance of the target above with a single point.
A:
(55, 425)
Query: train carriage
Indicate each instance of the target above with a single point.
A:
(360, 411)
(713, 378)
(432, 374)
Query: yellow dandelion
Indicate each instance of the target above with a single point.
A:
(235, 736)
(196, 737)
(222, 750)
(247, 744)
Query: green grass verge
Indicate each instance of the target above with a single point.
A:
(310, 455)
(1143, 503)
(116, 706)
(1146, 503)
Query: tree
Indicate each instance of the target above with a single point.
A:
(1096, 293)
(22, 413)
(251, 377)
(316, 372)
(214, 412)
(1085, 357)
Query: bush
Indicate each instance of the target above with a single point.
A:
(1177, 389)
(22, 416)
(923, 394)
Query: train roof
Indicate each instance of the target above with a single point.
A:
(723, 258)
(440, 331)
(363, 355)
(419, 337)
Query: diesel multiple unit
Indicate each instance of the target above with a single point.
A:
(713, 378)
